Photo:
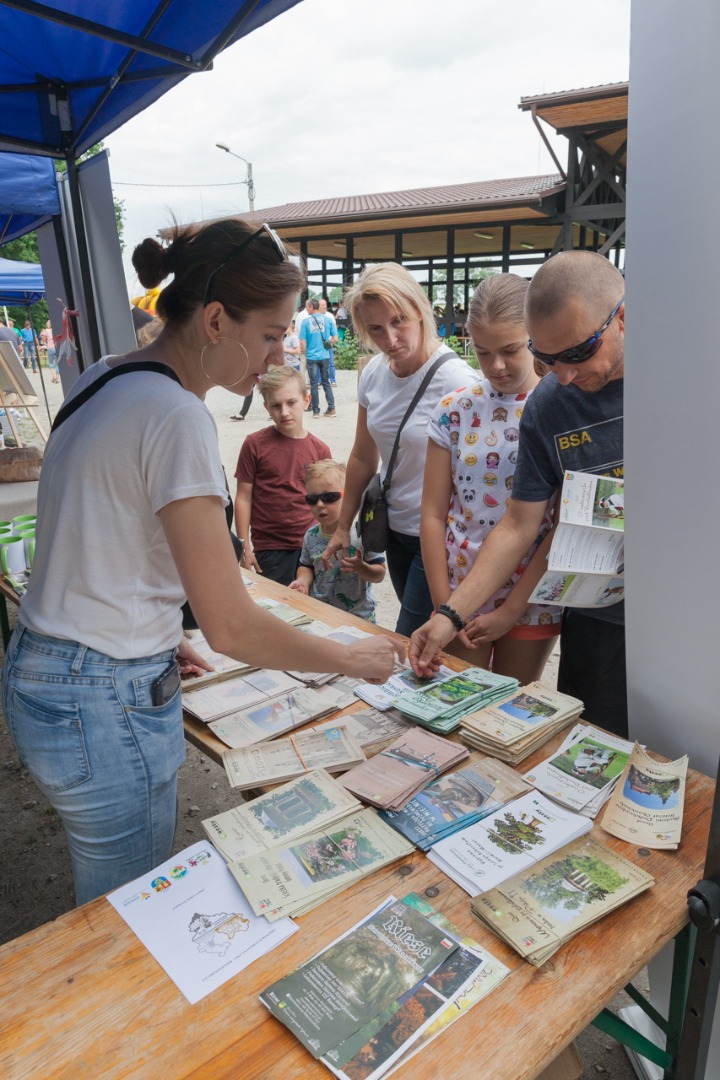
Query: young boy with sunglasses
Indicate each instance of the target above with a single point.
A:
(346, 584)
(270, 506)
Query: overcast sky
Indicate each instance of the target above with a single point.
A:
(346, 97)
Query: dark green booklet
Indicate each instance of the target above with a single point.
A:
(347, 985)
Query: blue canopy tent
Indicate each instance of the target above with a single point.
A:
(73, 72)
(20, 282)
(28, 194)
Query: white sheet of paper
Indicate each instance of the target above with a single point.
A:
(191, 915)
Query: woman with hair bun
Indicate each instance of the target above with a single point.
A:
(131, 521)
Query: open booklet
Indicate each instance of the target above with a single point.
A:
(586, 564)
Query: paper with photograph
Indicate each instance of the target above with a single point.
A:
(646, 807)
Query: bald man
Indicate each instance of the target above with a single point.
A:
(575, 316)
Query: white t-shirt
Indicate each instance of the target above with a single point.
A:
(300, 319)
(103, 574)
(386, 397)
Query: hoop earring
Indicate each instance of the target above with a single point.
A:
(225, 386)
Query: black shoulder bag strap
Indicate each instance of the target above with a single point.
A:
(122, 369)
(421, 390)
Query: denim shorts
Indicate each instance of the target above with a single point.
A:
(101, 753)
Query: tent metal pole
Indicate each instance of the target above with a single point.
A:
(67, 285)
(83, 257)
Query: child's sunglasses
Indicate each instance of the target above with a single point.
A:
(323, 496)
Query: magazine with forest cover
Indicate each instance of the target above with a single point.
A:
(295, 809)
(351, 982)
(456, 800)
(274, 762)
(586, 564)
(294, 878)
(512, 729)
(403, 679)
(583, 771)
(509, 840)
(646, 807)
(278, 715)
(396, 773)
(439, 704)
(541, 908)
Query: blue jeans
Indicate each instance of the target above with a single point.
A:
(319, 371)
(101, 753)
(331, 366)
(407, 573)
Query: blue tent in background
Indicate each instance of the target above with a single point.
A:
(28, 194)
(20, 282)
(72, 72)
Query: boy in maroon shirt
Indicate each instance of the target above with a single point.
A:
(270, 503)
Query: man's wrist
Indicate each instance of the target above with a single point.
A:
(450, 613)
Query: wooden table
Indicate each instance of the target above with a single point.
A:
(83, 998)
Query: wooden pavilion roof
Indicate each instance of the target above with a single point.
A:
(600, 113)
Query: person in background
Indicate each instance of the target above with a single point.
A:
(342, 320)
(131, 521)
(472, 451)
(346, 583)
(271, 515)
(30, 344)
(575, 315)
(291, 348)
(390, 309)
(325, 310)
(316, 340)
(48, 340)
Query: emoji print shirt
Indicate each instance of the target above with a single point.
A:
(480, 428)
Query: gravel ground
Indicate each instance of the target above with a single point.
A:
(35, 879)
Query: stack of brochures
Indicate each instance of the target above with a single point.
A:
(388, 986)
(395, 774)
(372, 727)
(294, 878)
(224, 666)
(296, 809)
(521, 723)
(583, 771)
(240, 692)
(456, 800)
(286, 612)
(440, 704)
(542, 907)
(646, 807)
(344, 635)
(333, 749)
(278, 715)
(400, 682)
(586, 564)
(512, 838)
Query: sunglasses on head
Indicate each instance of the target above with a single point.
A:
(323, 496)
(576, 354)
(264, 230)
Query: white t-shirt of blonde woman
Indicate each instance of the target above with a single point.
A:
(386, 397)
(103, 574)
(480, 428)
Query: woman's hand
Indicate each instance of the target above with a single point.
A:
(426, 643)
(373, 658)
(250, 562)
(488, 628)
(340, 541)
(191, 662)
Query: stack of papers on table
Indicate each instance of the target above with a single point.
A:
(583, 771)
(541, 908)
(278, 715)
(225, 667)
(402, 680)
(393, 776)
(211, 702)
(521, 723)
(296, 809)
(646, 807)
(273, 763)
(191, 916)
(455, 801)
(388, 986)
(440, 705)
(294, 878)
(509, 840)
(285, 612)
(372, 727)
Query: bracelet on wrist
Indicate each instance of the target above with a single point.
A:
(451, 614)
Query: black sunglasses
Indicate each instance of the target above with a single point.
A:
(323, 496)
(576, 354)
(264, 230)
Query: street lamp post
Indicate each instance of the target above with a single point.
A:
(249, 176)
